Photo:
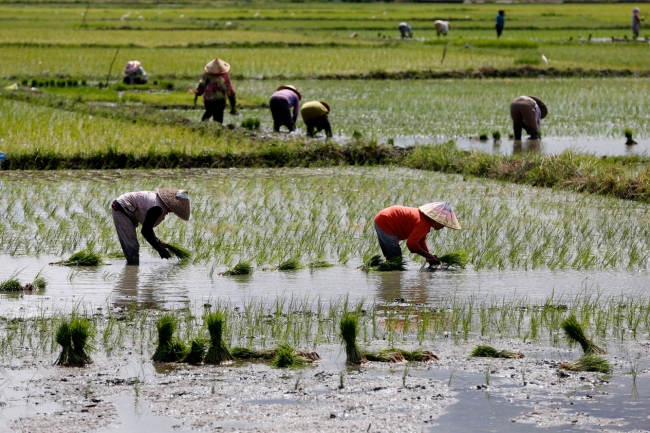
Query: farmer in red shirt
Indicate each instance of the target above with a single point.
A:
(397, 223)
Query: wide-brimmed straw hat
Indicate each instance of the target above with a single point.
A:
(131, 66)
(541, 106)
(217, 66)
(441, 212)
(177, 200)
(290, 87)
(326, 106)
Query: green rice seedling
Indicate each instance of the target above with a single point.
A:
(251, 123)
(349, 330)
(387, 355)
(169, 349)
(590, 362)
(286, 357)
(73, 337)
(218, 353)
(318, 264)
(82, 258)
(496, 136)
(196, 354)
(628, 136)
(241, 268)
(418, 355)
(246, 353)
(456, 259)
(392, 264)
(483, 137)
(574, 333)
(483, 351)
(290, 265)
(11, 285)
(375, 260)
(39, 282)
(178, 251)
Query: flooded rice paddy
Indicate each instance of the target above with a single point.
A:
(535, 255)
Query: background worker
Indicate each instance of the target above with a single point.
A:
(283, 101)
(501, 22)
(405, 29)
(397, 223)
(134, 72)
(442, 27)
(636, 22)
(527, 112)
(149, 209)
(314, 114)
(215, 86)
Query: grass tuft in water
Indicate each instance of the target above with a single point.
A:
(290, 265)
(178, 251)
(40, 283)
(11, 285)
(82, 258)
(73, 338)
(246, 353)
(628, 136)
(218, 353)
(387, 355)
(574, 333)
(286, 357)
(393, 264)
(590, 362)
(349, 328)
(251, 123)
(169, 349)
(456, 259)
(241, 268)
(418, 355)
(491, 352)
(496, 136)
(198, 347)
(317, 264)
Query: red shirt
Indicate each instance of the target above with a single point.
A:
(406, 223)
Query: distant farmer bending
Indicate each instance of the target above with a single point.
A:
(405, 30)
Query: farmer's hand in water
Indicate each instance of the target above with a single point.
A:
(164, 254)
(433, 260)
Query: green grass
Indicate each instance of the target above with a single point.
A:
(241, 268)
(575, 334)
(286, 357)
(590, 362)
(11, 285)
(483, 351)
(456, 259)
(82, 258)
(178, 251)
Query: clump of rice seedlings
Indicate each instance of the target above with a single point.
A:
(496, 136)
(491, 352)
(73, 338)
(418, 355)
(387, 355)
(349, 328)
(246, 353)
(251, 123)
(628, 136)
(574, 333)
(392, 264)
(483, 137)
(286, 357)
(290, 265)
(198, 347)
(375, 260)
(456, 259)
(169, 349)
(317, 264)
(241, 268)
(82, 258)
(218, 353)
(590, 362)
(11, 285)
(309, 356)
(178, 251)
(40, 283)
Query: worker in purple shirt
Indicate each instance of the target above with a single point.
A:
(287, 97)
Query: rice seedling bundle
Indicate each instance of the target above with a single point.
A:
(456, 259)
(574, 333)
(218, 352)
(241, 268)
(392, 264)
(169, 349)
(349, 328)
(482, 351)
(73, 338)
(198, 347)
(317, 264)
(290, 265)
(387, 355)
(589, 362)
(419, 355)
(11, 285)
(246, 353)
(40, 283)
(178, 251)
(82, 258)
(286, 357)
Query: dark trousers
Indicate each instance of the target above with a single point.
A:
(499, 30)
(214, 109)
(319, 124)
(281, 112)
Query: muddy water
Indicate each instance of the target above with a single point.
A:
(156, 283)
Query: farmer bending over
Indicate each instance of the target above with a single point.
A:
(527, 112)
(397, 223)
(405, 29)
(314, 114)
(134, 72)
(442, 27)
(286, 99)
(215, 86)
(149, 209)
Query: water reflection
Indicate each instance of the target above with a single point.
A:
(146, 287)
(527, 146)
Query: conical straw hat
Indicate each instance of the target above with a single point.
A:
(131, 67)
(541, 105)
(177, 200)
(217, 66)
(441, 212)
(290, 87)
(326, 106)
